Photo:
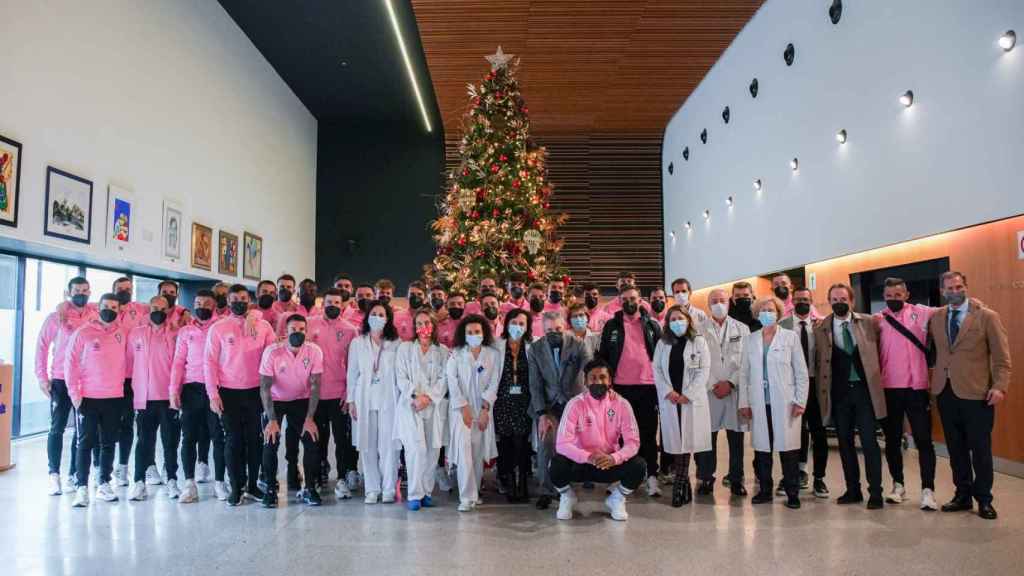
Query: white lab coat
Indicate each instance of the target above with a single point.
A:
(685, 428)
(725, 343)
(426, 428)
(787, 385)
(361, 391)
(465, 390)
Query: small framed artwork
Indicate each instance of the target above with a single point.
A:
(227, 253)
(10, 181)
(68, 210)
(121, 211)
(252, 256)
(172, 224)
(202, 247)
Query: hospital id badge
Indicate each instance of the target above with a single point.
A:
(376, 380)
(515, 390)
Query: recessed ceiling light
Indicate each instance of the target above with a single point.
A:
(728, 201)
(707, 214)
(907, 98)
(408, 64)
(758, 185)
(841, 136)
(688, 225)
(672, 234)
(1008, 40)
(344, 63)
(794, 164)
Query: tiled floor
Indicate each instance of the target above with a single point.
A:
(42, 534)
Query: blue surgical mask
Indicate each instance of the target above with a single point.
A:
(515, 331)
(579, 323)
(474, 340)
(377, 323)
(767, 317)
(678, 327)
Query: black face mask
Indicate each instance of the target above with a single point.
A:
(802, 308)
(555, 297)
(203, 314)
(415, 301)
(222, 300)
(295, 339)
(841, 309)
(124, 296)
(170, 300)
(384, 299)
(455, 313)
(108, 315)
(345, 294)
(80, 300)
(284, 295)
(742, 305)
(782, 292)
(597, 391)
(536, 304)
(490, 312)
(590, 301)
(554, 339)
(437, 303)
(239, 308)
(658, 305)
(265, 301)
(895, 305)
(629, 308)
(364, 305)
(157, 317)
(307, 299)
(516, 292)
(332, 312)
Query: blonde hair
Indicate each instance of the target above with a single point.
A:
(780, 308)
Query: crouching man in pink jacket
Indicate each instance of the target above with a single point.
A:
(593, 425)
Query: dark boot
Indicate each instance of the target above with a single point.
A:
(682, 492)
(522, 485)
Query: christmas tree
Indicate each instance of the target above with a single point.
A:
(494, 217)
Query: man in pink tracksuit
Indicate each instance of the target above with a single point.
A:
(488, 285)
(416, 295)
(94, 370)
(234, 347)
(456, 310)
(188, 394)
(177, 316)
(285, 305)
(148, 360)
(130, 315)
(597, 441)
(266, 296)
(307, 306)
(55, 333)
(516, 287)
(333, 335)
(355, 315)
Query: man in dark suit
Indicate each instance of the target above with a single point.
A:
(971, 376)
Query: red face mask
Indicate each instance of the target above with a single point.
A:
(425, 331)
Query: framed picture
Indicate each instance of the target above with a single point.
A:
(68, 210)
(10, 181)
(121, 211)
(252, 256)
(202, 246)
(227, 253)
(172, 228)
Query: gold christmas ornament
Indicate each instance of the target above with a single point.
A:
(532, 239)
(467, 199)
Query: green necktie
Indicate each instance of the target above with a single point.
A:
(847, 339)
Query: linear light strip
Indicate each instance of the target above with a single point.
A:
(408, 64)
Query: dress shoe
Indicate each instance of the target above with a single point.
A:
(738, 489)
(987, 512)
(850, 498)
(543, 502)
(875, 502)
(762, 497)
(957, 505)
(706, 488)
(793, 502)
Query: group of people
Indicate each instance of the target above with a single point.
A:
(542, 380)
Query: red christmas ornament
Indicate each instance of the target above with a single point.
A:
(525, 110)
(462, 240)
(495, 168)
(494, 213)
(475, 215)
(504, 158)
(465, 172)
(566, 280)
(479, 194)
(547, 205)
(531, 275)
(516, 183)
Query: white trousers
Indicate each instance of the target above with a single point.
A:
(379, 458)
(470, 464)
(421, 462)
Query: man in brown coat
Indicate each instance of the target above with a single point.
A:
(849, 387)
(971, 376)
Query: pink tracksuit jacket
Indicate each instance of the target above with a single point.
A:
(94, 366)
(148, 360)
(190, 354)
(233, 354)
(56, 331)
(333, 337)
(590, 425)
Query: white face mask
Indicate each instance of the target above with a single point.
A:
(719, 310)
(682, 298)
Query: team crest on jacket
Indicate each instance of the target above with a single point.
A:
(337, 335)
(231, 340)
(611, 413)
(305, 362)
(117, 336)
(138, 346)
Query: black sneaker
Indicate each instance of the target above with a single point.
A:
(706, 488)
(850, 498)
(738, 489)
(235, 498)
(805, 480)
(875, 502)
(793, 502)
(780, 490)
(820, 489)
(762, 497)
(255, 493)
(269, 499)
(312, 497)
(543, 502)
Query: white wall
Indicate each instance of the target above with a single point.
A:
(954, 159)
(169, 99)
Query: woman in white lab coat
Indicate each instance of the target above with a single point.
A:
(772, 395)
(371, 401)
(682, 365)
(422, 410)
(472, 375)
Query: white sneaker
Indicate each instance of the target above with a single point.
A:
(388, 498)
(221, 490)
(106, 492)
(352, 479)
(153, 476)
(566, 502)
(81, 497)
(70, 484)
(202, 472)
(443, 482)
(190, 494)
(653, 490)
(172, 489)
(371, 498)
(54, 483)
(928, 500)
(121, 475)
(466, 506)
(137, 493)
(897, 495)
(616, 504)
(341, 490)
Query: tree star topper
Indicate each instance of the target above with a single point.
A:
(499, 59)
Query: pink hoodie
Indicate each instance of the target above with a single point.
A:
(590, 425)
(94, 366)
(190, 354)
(57, 329)
(233, 354)
(148, 361)
(333, 337)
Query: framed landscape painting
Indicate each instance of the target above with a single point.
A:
(10, 181)
(252, 256)
(202, 247)
(227, 253)
(68, 209)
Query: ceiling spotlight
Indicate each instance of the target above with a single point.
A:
(907, 99)
(1008, 40)
(841, 136)
(758, 184)
(672, 235)
(728, 201)
(688, 225)
(794, 164)
(707, 214)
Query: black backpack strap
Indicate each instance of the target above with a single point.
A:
(910, 336)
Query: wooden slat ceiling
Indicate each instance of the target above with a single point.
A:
(588, 66)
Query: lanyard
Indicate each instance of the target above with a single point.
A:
(376, 361)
